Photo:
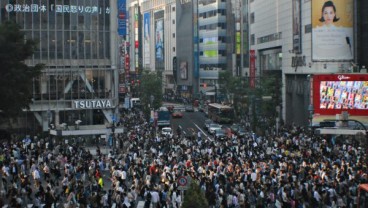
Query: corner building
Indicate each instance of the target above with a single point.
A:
(75, 42)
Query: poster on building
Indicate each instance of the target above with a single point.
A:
(146, 41)
(297, 43)
(332, 30)
(159, 38)
(183, 70)
(122, 17)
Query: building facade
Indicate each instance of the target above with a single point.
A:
(76, 42)
(294, 39)
(159, 39)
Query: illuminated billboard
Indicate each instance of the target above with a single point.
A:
(159, 37)
(237, 42)
(210, 40)
(332, 30)
(210, 53)
(335, 93)
(146, 42)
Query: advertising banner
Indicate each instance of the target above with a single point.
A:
(183, 70)
(146, 41)
(252, 68)
(159, 37)
(297, 43)
(122, 17)
(334, 93)
(332, 30)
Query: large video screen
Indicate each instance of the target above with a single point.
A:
(344, 95)
(334, 93)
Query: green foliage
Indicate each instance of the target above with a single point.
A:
(16, 77)
(151, 85)
(194, 197)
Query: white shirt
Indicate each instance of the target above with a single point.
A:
(36, 174)
(155, 197)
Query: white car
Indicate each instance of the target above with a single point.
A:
(166, 132)
(213, 127)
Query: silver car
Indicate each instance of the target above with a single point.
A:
(213, 127)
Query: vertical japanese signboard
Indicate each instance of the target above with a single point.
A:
(252, 68)
(122, 17)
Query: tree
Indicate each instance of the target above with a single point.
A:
(194, 197)
(150, 85)
(16, 77)
(233, 88)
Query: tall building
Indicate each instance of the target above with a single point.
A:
(212, 28)
(295, 39)
(158, 38)
(76, 42)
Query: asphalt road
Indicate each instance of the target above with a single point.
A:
(190, 123)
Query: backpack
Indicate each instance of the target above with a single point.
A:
(163, 196)
(148, 196)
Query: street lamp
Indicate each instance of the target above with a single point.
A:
(311, 111)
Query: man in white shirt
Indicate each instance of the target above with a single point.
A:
(155, 198)
(36, 177)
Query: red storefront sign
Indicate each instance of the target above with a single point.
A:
(252, 68)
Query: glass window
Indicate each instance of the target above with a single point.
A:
(87, 44)
(101, 45)
(59, 44)
(36, 37)
(52, 46)
(67, 43)
(59, 20)
(81, 23)
(52, 20)
(44, 43)
(73, 45)
(66, 21)
(28, 20)
(20, 19)
(107, 44)
(252, 18)
(81, 45)
(94, 41)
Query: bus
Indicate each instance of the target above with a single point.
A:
(220, 113)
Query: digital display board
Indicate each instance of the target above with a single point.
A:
(335, 93)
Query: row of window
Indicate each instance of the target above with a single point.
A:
(213, 26)
(218, 39)
(212, 13)
(215, 53)
(269, 38)
(71, 85)
(212, 66)
(71, 44)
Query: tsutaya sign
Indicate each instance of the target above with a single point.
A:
(35, 8)
(92, 104)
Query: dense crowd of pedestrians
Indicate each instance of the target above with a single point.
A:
(291, 169)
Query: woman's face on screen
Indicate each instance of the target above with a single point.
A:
(328, 15)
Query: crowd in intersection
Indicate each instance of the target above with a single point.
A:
(291, 169)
